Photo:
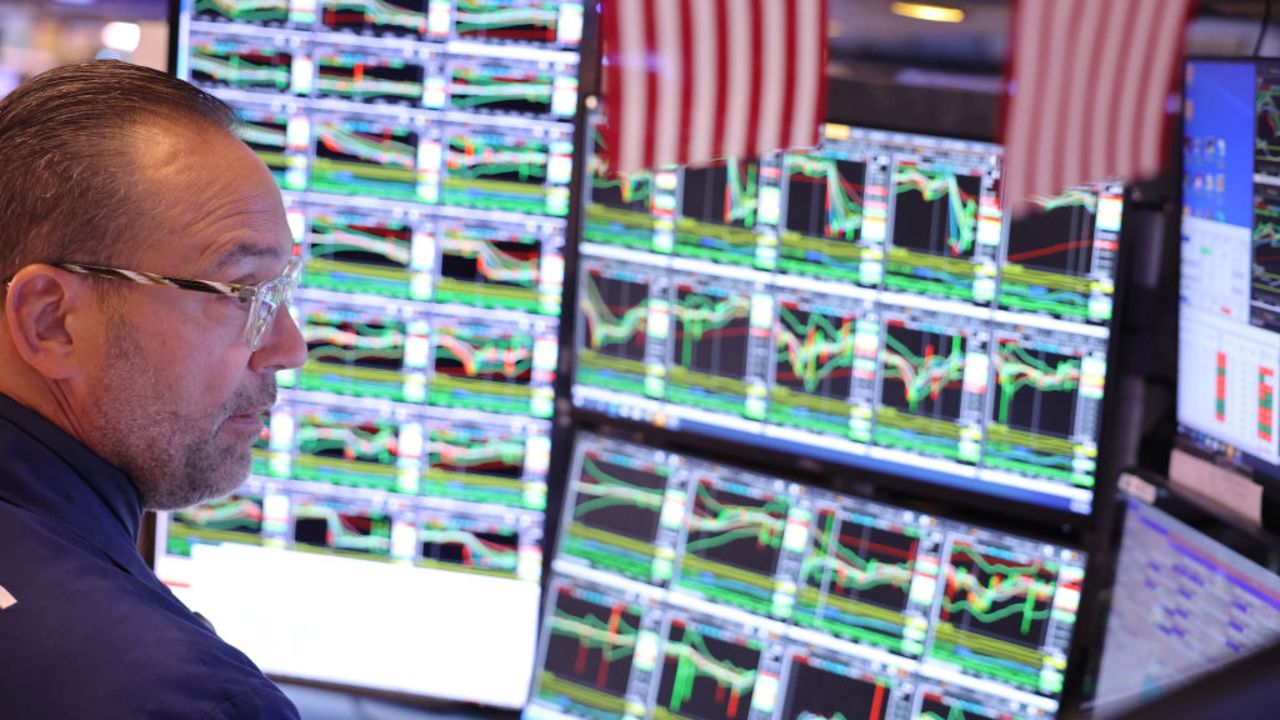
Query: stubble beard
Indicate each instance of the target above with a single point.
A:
(174, 459)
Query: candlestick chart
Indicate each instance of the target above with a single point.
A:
(732, 544)
(824, 213)
(589, 652)
(617, 506)
(707, 674)
(856, 577)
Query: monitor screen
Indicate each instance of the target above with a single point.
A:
(390, 534)
(1182, 604)
(683, 588)
(867, 304)
(1229, 296)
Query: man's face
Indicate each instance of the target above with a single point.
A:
(180, 397)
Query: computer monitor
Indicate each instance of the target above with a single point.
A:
(1182, 605)
(685, 588)
(1229, 297)
(390, 535)
(867, 304)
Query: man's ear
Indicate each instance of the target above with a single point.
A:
(38, 310)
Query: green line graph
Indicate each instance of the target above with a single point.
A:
(690, 657)
(933, 185)
(841, 198)
(926, 371)
(1017, 368)
(815, 351)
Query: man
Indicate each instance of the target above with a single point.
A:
(145, 256)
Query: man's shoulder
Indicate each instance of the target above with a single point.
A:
(88, 639)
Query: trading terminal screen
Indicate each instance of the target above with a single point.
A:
(867, 303)
(390, 534)
(682, 588)
(1229, 297)
(1182, 604)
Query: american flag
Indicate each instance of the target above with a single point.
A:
(690, 81)
(1089, 84)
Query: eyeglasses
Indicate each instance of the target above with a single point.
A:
(264, 299)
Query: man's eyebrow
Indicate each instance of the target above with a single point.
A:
(246, 250)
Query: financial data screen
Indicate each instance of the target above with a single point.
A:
(390, 535)
(867, 303)
(683, 588)
(1182, 604)
(1229, 295)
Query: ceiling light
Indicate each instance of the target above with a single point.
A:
(932, 13)
(122, 36)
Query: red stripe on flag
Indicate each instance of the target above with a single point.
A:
(722, 80)
(1089, 84)
(686, 82)
(652, 126)
(789, 50)
(757, 75)
(612, 79)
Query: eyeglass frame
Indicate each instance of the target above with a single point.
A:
(253, 294)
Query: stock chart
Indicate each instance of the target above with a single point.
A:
(788, 598)
(844, 304)
(424, 150)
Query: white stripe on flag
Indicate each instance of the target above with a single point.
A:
(632, 55)
(1058, 52)
(1026, 70)
(1132, 77)
(1104, 96)
(773, 83)
(1075, 133)
(809, 73)
(738, 94)
(706, 83)
(669, 63)
(1168, 40)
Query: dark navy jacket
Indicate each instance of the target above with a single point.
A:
(93, 633)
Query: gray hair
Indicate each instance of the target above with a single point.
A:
(66, 158)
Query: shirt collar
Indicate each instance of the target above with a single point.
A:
(49, 473)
